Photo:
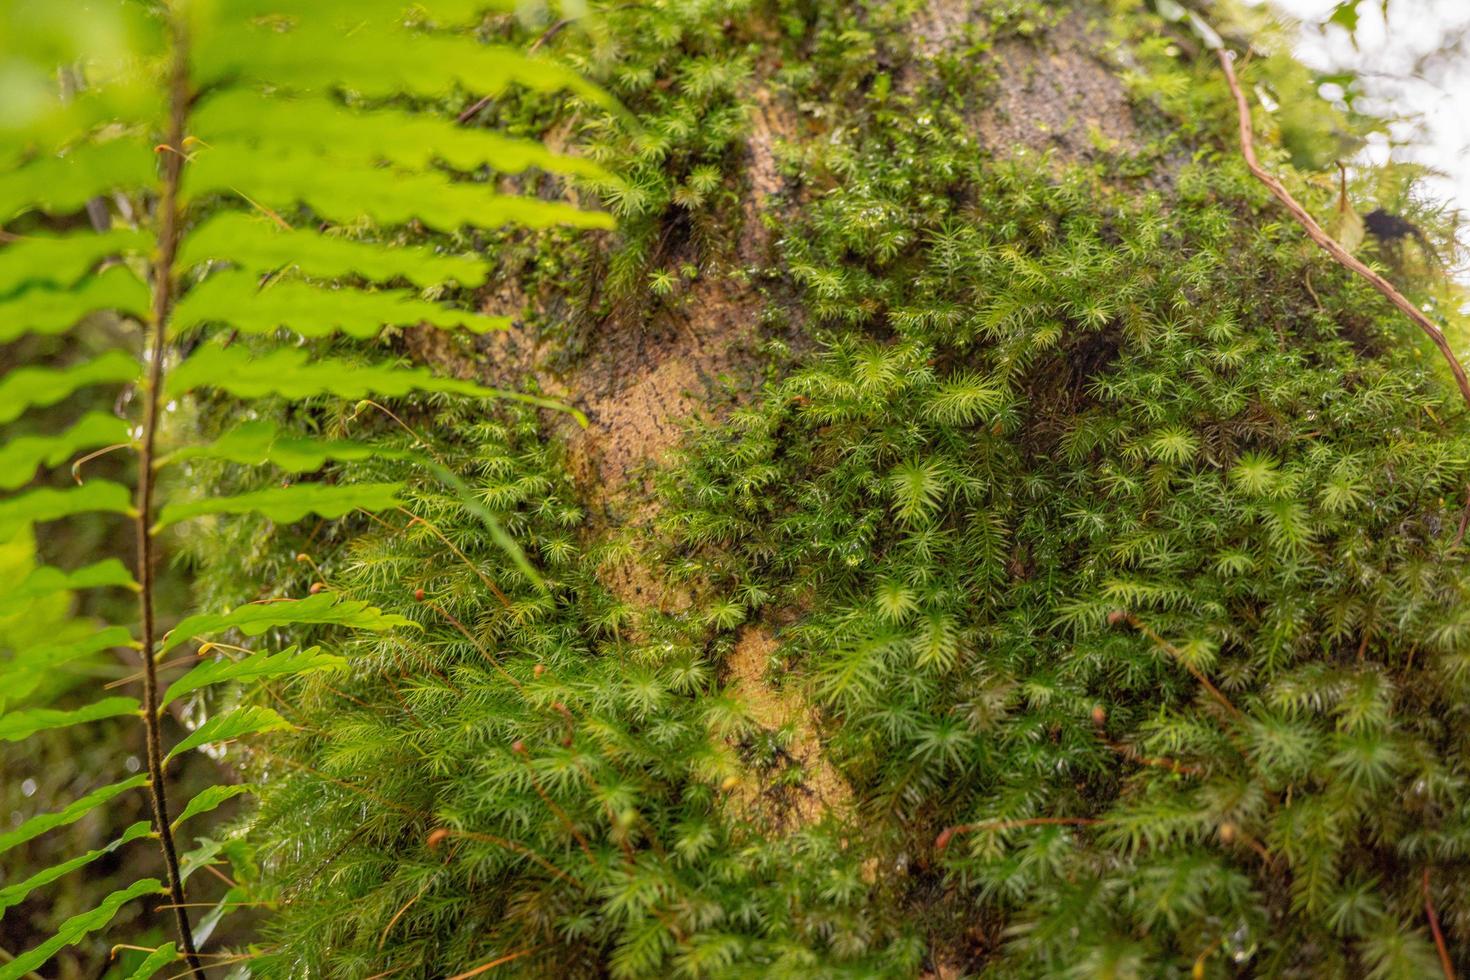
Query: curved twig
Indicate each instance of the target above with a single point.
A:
(1330, 245)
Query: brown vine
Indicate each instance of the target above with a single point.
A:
(1329, 244)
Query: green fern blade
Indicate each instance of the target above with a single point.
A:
(73, 930)
(289, 373)
(414, 141)
(48, 312)
(36, 387)
(259, 245)
(34, 667)
(16, 725)
(314, 311)
(324, 608)
(381, 61)
(346, 194)
(250, 720)
(261, 444)
(55, 125)
(60, 261)
(46, 504)
(47, 581)
(64, 184)
(449, 11)
(287, 663)
(40, 824)
(20, 458)
(209, 799)
(13, 895)
(286, 505)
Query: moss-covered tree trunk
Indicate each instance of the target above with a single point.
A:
(1000, 542)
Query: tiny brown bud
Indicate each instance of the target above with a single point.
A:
(538, 670)
(1099, 715)
(436, 837)
(1116, 616)
(1227, 832)
(518, 747)
(418, 595)
(729, 783)
(317, 587)
(303, 556)
(945, 836)
(566, 741)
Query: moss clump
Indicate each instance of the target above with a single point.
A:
(1112, 544)
(1119, 554)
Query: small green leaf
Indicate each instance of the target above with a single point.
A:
(287, 505)
(1346, 225)
(16, 725)
(260, 443)
(36, 387)
(20, 458)
(254, 619)
(1345, 15)
(315, 311)
(15, 894)
(204, 854)
(77, 927)
(47, 312)
(39, 824)
(258, 245)
(250, 720)
(155, 961)
(209, 799)
(46, 504)
(287, 663)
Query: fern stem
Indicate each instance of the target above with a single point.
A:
(163, 275)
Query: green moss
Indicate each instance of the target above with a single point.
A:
(1110, 537)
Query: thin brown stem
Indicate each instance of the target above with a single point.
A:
(474, 641)
(487, 967)
(1174, 652)
(489, 583)
(1445, 962)
(1330, 245)
(519, 749)
(162, 305)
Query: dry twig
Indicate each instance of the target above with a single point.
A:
(1330, 245)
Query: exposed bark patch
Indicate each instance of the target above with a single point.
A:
(1052, 92)
(822, 789)
(644, 381)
